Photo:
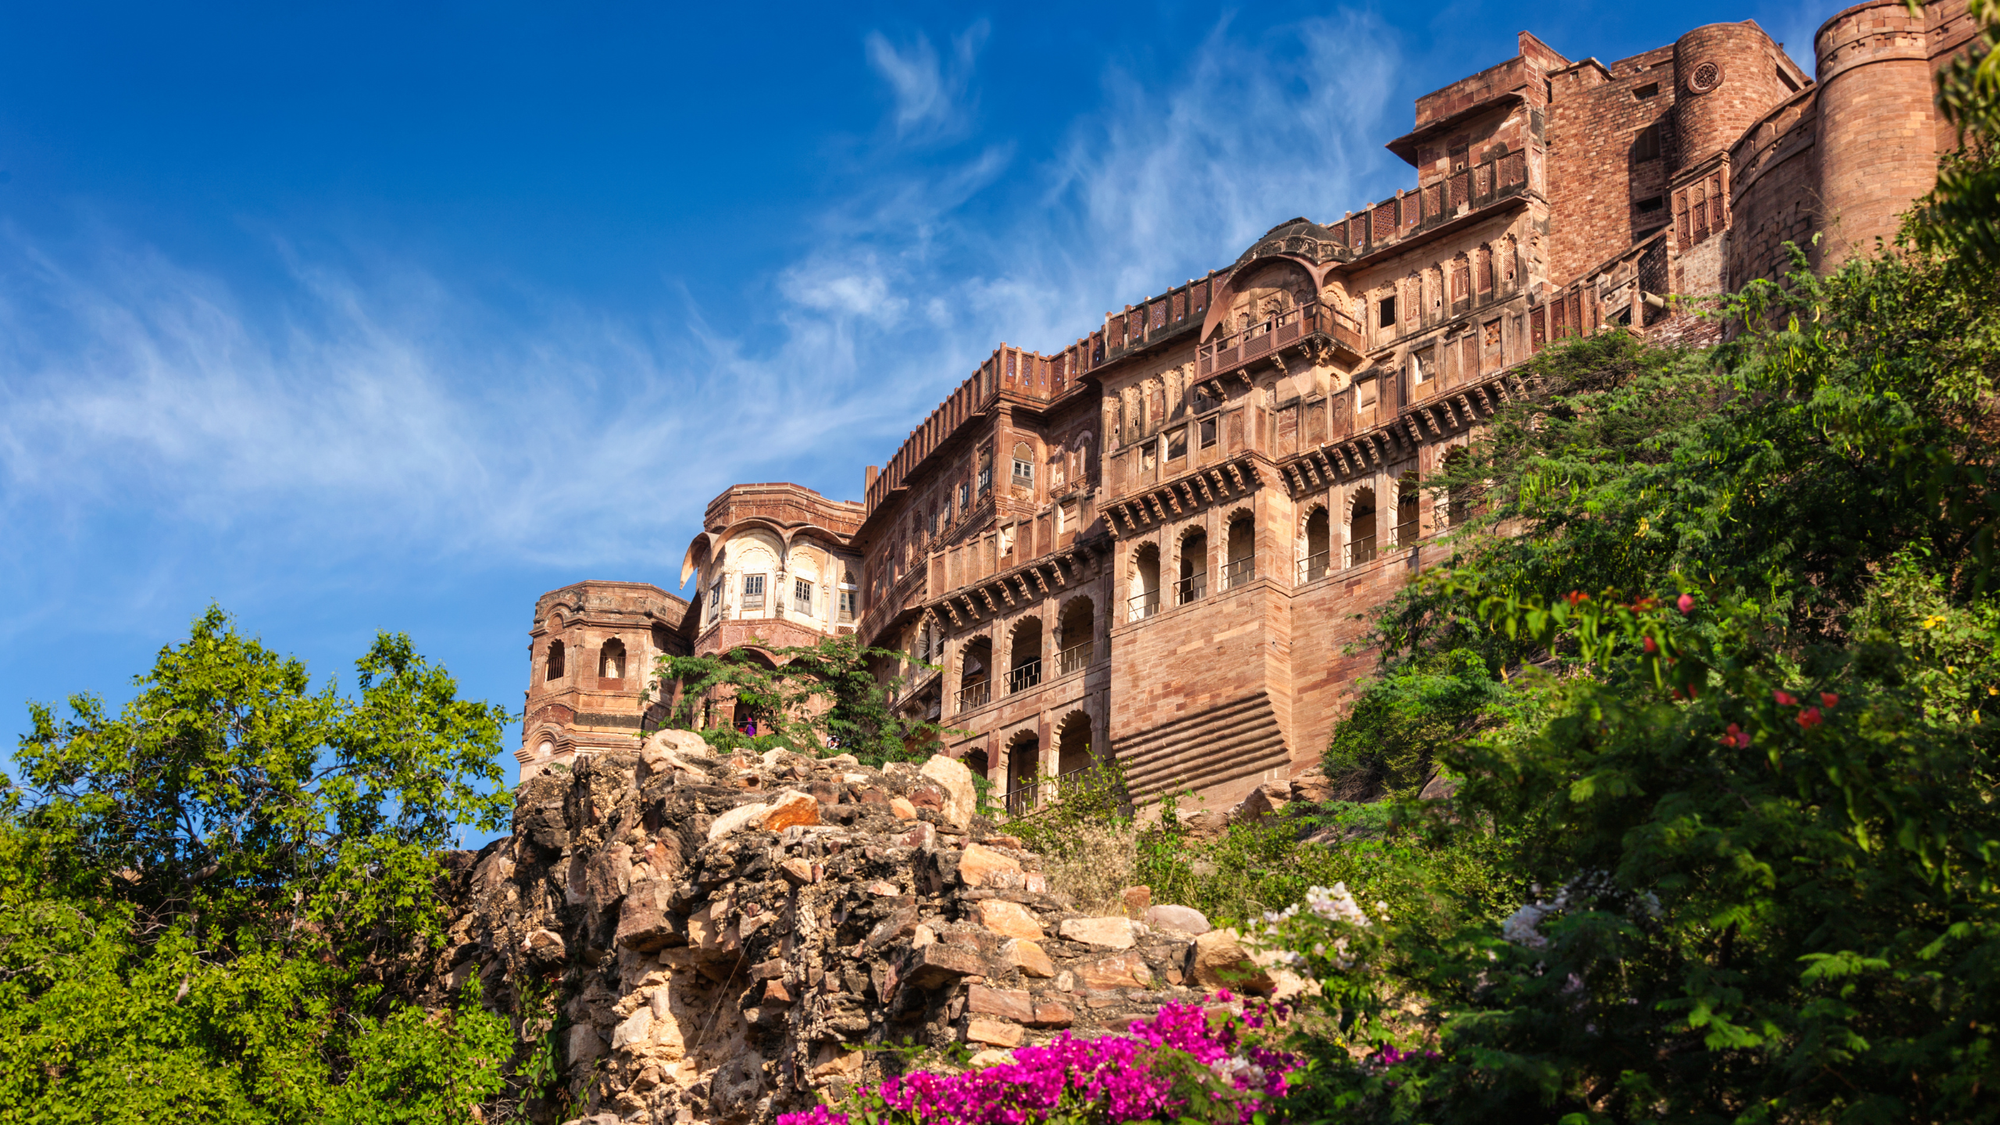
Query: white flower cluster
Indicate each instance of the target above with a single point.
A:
(1335, 904)
(1239, 1071)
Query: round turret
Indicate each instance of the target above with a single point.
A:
(1876, 146)
(1728, 76)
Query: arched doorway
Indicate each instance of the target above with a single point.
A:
(1144, 598)
(1193, 581)
(975, 674)
(1317, 560)
(1076, 636)
(1024, 763)
(1242, 551)
(1361, 527)
(1025, 645)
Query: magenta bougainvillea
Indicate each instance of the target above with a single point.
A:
(1182, 1059)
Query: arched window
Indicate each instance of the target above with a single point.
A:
(1077, 638)
(1408, 529)
(1192, 582)
(1242, 565)
(975, 760)
(1143, 601)
(975, 674)
(1024, 465)
(545, 751)
(1317, 561)
(1361, 527)
(611, 660)
(553, 669)
(1073, 745)
(1024, 767)
(1025, 652)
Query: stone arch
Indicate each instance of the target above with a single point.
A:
(1240, 547)
(1315, 544)
(975, 673)
(1024, 653)
(611, 660)
(1408, 528)
(1143, 597)
(1074, 750)
(554, 663)
(1076, 634)
(1360, 523)
(1191, 564)
(1024, 769)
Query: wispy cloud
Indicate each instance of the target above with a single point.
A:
(372, 406)
(931, 94)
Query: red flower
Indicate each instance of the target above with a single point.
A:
(1785, 699)
(1809, 718)
(1829, 699)
(1686, 603)
(1577, 597)
(1651, 646)
(1736, 737)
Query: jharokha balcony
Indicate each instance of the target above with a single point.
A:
(1308, 324)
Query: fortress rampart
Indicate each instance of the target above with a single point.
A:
(1165, 541)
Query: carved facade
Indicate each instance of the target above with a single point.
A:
(1165, 541)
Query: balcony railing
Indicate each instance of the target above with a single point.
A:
(1408, 533)
(1040, 792)
(1314, 567)
(1024, 676)
(971, 697)
(1363, 550)
(1226, 353)
(1238, 571)
(1190, 589)
(1075, 658)
(1141, 606)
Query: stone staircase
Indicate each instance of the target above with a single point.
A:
(1220, 745)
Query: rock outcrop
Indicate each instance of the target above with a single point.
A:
(724, 936)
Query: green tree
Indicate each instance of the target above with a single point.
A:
(217, 904)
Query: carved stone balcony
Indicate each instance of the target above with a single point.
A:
(1302, 327)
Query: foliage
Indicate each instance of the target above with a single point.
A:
(1390, 739)
(1179, 1065)
(805, 698)
(1961, 216)
(213, 903)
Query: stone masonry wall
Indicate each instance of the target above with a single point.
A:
(719, 934)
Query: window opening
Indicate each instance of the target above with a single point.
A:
(611, 660)
(802, 596)
(1646, 146)
(1193, 581)
(1649, 90)
(1387, 309)
(1177, 444)
(1144, 599)
(1407, 529)
(753, 591)
(1207, 432)
(554, 669)
(848, 595)
(1026, 669)
(1242, 553)
(1318, 560)
(1361, 528)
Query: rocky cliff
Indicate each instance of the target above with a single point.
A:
(719, 938)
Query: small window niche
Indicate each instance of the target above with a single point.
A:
(1207, 429)
(1364, 393)
(1177, 444)
(1646, 145)
(1386, 309)
(1649, 90)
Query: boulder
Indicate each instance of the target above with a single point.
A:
(955, 779)
(1440, 787)
(1177, 919)
(1032, 959)
(981, 866)
(1136, 900)
(1218, 959)
(1008, 919)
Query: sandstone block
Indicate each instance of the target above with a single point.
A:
(1002, 1003)
(585, 1044)
(956, 781)
(776, 993)
(994, 1033)
(545, 947)
(634, 1031)
(791, 809)
(981, 866)
(712, 929)
(1032, 959)
(1136, 900)
(919, 836)
(1048, 1013)
(643, 927)
(1127, 970)
(737, 819)
(797, 872)
(842, 1065)
(1217, 959)
(939, 962)
(1177, 919)
(991, 1056)
(903, 809)
(1009, 919)
(1108, 933)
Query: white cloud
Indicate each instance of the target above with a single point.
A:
(930, 94)
(375, 408)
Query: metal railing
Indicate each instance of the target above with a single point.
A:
(974, 696)
(1312, 319)
(1363, 550)
(1314, 567)
(1190, 589)
(1075, 658)
(1024, 676)
(1238, 571)
(1408, 533)
(1141, 606)
(1041, 792)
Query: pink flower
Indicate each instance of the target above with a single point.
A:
(1651, 645)
(1685, 603)
(1809, 718)
(1737, 737)
(1785, 699)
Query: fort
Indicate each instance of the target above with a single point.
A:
(1166, 541)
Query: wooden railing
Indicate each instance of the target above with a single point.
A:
(1025, 676)
(971, 697)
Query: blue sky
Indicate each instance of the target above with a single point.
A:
(355, 317)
